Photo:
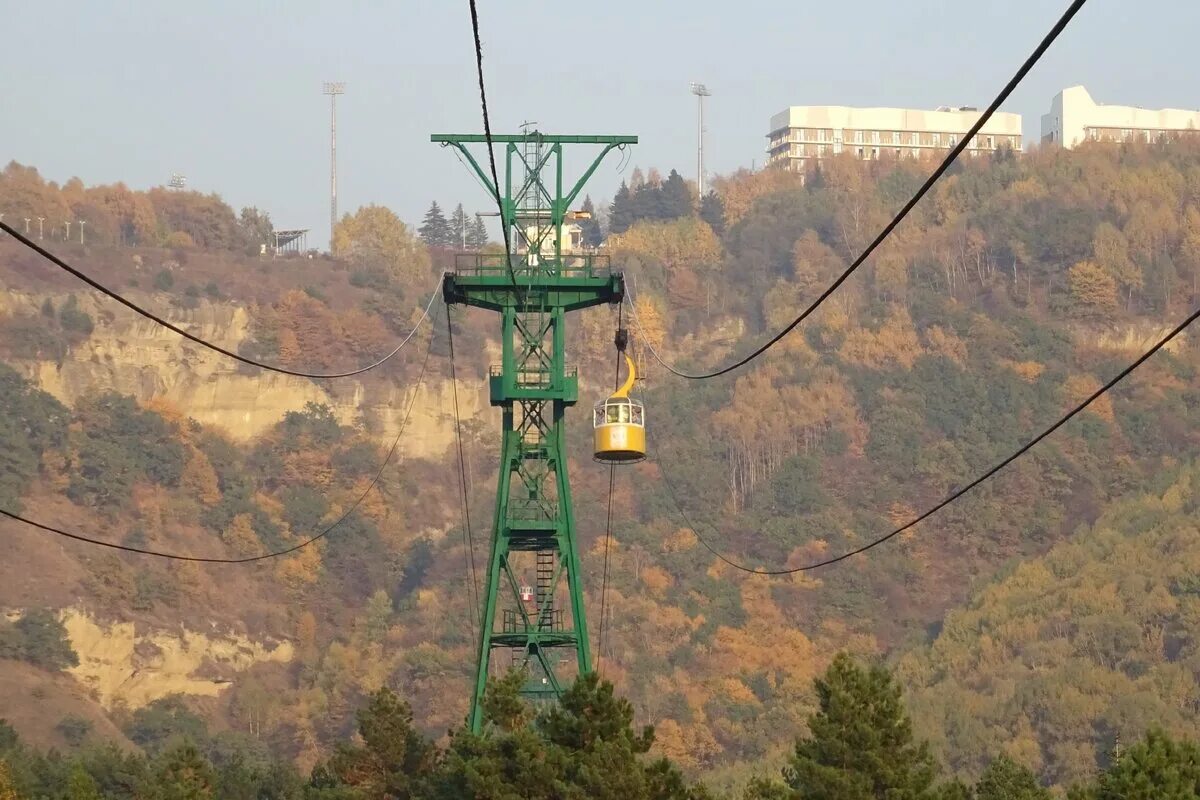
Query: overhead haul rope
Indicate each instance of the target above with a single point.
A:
(468, 536)
(487, 135)
(63, 265)
(952, 497)
(179, 557)
(621, 340)
(957, 150)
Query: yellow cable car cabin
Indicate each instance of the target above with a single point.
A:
(620, 424)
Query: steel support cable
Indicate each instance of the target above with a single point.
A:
(962, 145)
(179, 557)
(952, 497)
(612, 477)
(61, 264)
(487, 135)
(468, 536)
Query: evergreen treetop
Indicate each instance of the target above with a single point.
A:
(435, 229)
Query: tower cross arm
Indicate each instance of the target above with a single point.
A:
(519, 138)
(457, 143)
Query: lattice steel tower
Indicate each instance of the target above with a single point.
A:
(533, 530)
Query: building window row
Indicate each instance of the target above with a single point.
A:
(894, 138)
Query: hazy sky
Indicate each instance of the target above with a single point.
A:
(229, 92)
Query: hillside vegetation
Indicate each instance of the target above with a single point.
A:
(1017, 287)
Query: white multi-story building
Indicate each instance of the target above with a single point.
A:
(802, 134)
(1075, 118)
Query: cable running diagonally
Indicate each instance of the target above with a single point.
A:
(180, 557)
(962, 145)
(468, 536)
(487, 134)
(952, 497)
(61, 264)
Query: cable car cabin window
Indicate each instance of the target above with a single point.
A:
(598, 417)
(618, 413)
(638, 418)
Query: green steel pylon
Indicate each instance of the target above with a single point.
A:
(533, 602)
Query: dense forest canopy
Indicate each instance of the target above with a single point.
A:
(1028, 621)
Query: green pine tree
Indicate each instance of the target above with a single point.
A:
(435, 230)
(81, 786)
(395, 759)
(458, 228)
(712, 211)
(620, 213)
(593, 236)
(1157, 768)
(183, 774)
(676, 197)
(860, 745)
(1005, 779)
(477, 235)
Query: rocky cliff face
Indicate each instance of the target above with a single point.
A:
(122, 666)
(134, 356)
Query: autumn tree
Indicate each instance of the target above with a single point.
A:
(206, 219)
(8, 789)
(1110, 250)
(374, 239)
(684, 253)
(1093, 291)
(256, 227)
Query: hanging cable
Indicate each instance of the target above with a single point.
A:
(249, 559)
(620, 341)
(468, 536)
(957, 150)
(487, 135)
(952, 497)
(58, 262)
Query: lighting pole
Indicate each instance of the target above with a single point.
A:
(81, 224)
(27, 226)
(67, 238)
(40, 221)
(701, 91)
(333, 89)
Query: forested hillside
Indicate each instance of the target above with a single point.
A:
(1012, 292)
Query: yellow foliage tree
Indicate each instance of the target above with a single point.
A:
(690, 747)
(200, 478)
(374, 237)
(686, 249)
(895, 343)
(1093, 290)
(946, 343)
(179, 240)
(739, 190)
(8, 789)
(655, 579)
(1077, 388)
(301, 570)
(240, 538)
